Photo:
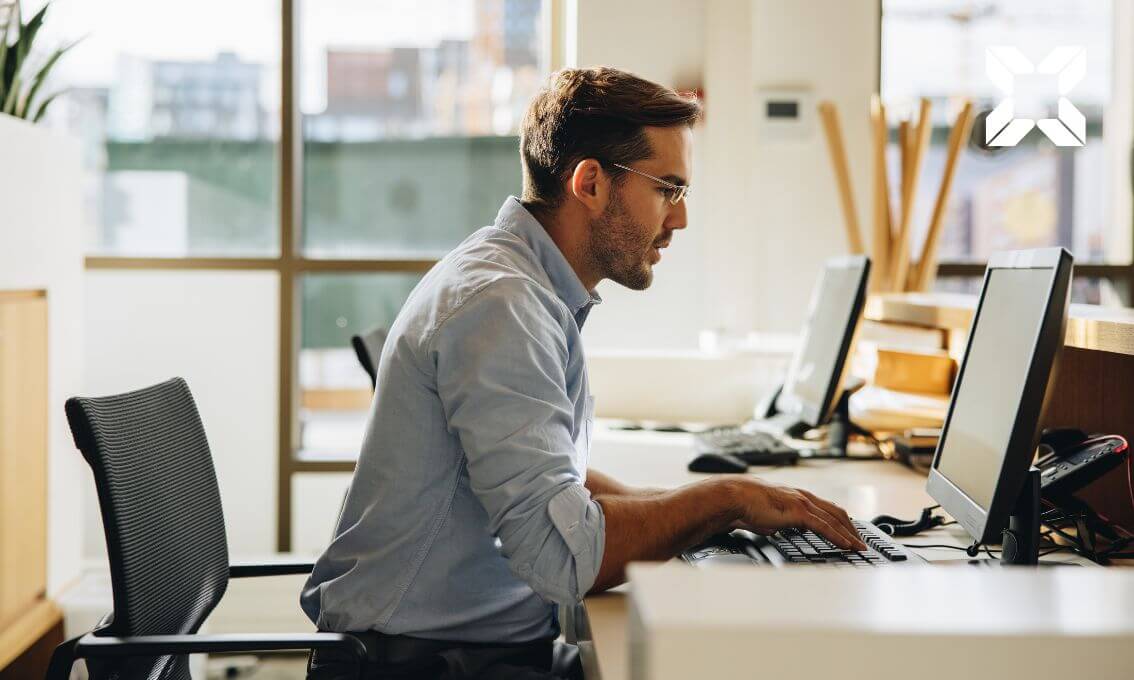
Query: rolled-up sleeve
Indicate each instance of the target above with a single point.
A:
(501, 362)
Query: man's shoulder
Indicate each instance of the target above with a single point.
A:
(492, 269)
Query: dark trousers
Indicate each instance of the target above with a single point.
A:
(396, 657)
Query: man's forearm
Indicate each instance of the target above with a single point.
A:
(659, 525)
(600, 484)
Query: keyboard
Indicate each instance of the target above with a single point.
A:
(791, 547)
(754, 448)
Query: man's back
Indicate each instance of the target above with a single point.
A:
(467, 499)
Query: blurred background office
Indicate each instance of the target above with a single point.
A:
(253, 182)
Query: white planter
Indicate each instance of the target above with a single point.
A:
(41, 248)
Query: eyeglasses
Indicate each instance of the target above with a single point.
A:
(676, 193)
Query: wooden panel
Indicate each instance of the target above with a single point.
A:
(1107, 329)
(26, 645)
(934, 310)
(336, 400)
(1094, 391)
(23, 454)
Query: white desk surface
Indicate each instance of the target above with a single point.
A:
(656, 459)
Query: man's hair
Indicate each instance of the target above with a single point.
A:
(595, 113)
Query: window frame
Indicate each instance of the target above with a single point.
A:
(1121, 275)
(292, 265)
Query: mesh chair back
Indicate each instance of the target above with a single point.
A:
(161, 511)
(368, 347)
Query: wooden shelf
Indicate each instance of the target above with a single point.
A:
(1090, 327)
(24, 631)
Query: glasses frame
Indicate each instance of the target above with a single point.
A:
(678, 192)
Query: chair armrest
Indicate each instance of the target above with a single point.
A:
(269, 569)
(158, 645)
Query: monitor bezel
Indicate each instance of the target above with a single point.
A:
(986, 525)
(812, 414)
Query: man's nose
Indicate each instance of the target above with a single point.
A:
(678, 217)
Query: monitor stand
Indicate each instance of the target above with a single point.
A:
(1020, 543)
(787, 424)
(840, 427)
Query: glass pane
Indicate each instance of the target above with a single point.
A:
(1033, 194)
(411, 111)
(219, 331)
(334, 389)
(178, 122)
(1092, 291)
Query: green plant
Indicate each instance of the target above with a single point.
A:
(22, 76)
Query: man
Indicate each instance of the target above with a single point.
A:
(472, 513)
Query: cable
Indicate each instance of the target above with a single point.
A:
(894, 526)
(1130, 477)
(934, 545)
(1118, 545)
(1057, 549)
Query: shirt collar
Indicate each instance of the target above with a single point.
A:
(515, 219)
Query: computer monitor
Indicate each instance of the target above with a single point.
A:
(817, 369)
(989, 438)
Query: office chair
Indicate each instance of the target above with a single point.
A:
(368, 347)
(165, 539)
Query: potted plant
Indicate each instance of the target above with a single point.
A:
(22, 75)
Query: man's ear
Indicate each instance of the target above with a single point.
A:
(590, 185)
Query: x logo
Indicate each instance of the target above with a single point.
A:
(1003, 64)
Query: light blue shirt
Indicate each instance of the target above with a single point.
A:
(467, 518)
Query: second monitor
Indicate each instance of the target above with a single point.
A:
(814, 379)
(982, 471)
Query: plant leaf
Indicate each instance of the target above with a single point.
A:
(43, 106)
(11, 64)
(27, 33)
(13, 59)
(13, 94)
(41, 77)
(4, 55)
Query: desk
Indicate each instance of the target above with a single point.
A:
(654, 459)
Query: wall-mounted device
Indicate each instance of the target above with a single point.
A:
(785, 114)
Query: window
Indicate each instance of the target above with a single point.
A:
(1034, 194)
(335, 393)
(410, 120)
(408, 144)
(173, 169)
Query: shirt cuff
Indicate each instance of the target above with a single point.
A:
(579, 520)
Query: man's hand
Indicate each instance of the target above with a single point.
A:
(659, 525)
(765, 508)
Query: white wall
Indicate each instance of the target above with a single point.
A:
(40, 248)
(218, 330)
(832, 47)
(662, 41)
(764, 212)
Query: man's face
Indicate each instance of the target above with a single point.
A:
(639, 221)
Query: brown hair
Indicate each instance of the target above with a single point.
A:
(595, 113)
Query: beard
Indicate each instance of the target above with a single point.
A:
(620, 247)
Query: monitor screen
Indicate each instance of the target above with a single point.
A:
(988, 441)
(832, 317)
(988, 394)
